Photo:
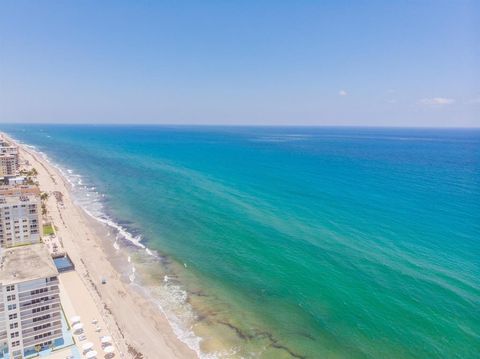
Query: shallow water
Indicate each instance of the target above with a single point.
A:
(292, 242)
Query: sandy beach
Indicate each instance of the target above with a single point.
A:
(138, 327)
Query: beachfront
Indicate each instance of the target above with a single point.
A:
(93, 296)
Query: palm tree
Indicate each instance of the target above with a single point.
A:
(38, 347)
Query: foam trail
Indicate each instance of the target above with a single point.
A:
(90, 202)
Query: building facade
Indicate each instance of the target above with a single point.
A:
(19, 190)
(12, 151)
(30, 310)
(8, 165)
(20, 221)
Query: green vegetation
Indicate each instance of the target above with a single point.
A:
(48, 229)
(32, 173)
(29, 176)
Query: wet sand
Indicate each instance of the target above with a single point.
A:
(138, 326)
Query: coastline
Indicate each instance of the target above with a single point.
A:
(139, 326)
(234, 259)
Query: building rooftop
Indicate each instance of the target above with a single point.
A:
(21, 264)
(9, 156)
(8, 147)
(17, 190)
(19, 198)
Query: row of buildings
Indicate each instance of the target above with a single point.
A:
(30, 309)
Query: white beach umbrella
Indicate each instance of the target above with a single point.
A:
(106, 339)
(91, 354)
(87, 346)
(75, 319)
(109, 349)
(78, 326)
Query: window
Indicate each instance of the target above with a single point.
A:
(12, 306)
(10, 288)
(38, 300)
(43, 317)
(11, 297)
(14, 325)
(16, 343)
(41, 309)
(38, 291)
(40, 336)
(43, 326)
(14, 335)
(12, 316)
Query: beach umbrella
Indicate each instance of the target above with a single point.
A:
(91, 354)
(78, 326)
(106, 339)
(87, 346)
(109, 349)
(75, 319)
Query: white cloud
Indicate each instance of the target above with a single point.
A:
(343, 93)
(437, 101)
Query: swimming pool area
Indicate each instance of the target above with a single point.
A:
(61, 348)
(65, 345)
(64, 263)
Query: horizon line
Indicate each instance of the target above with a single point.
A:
(238, 125)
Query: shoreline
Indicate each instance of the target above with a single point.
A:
(141, 328)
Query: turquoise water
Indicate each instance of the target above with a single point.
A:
(297, 242)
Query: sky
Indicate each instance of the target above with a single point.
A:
(360, 63)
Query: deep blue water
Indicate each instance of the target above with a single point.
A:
(313, 242)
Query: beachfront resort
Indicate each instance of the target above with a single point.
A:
(39, 316)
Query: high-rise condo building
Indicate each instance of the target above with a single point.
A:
(20, 221)
(30, 311)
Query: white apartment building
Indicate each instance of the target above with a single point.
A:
(30, 311)
(20, 221)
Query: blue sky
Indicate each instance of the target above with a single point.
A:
(389, 63)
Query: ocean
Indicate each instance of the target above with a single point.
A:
(291, 242)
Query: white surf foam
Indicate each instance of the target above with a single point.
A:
(174, 304)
